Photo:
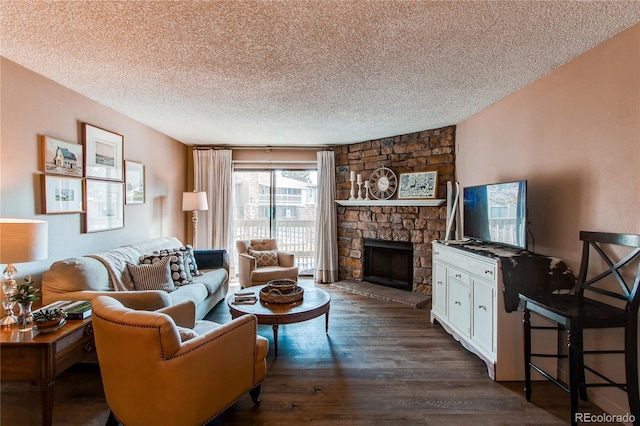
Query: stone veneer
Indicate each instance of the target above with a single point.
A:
(414, 152)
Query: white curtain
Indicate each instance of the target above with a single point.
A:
(326, 223)
(213, 173)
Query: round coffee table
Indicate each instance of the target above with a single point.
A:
(314, 303)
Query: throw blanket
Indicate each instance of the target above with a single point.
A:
(116, 263)
(525, 272)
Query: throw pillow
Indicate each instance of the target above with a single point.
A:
(264, 257)
(179, 271)
(152, 276)
(186, 333)
(191, 266)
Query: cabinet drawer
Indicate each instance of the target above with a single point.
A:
(465, 261)
(459, 275)
(439, 289)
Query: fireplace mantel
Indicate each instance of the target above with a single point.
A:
(374, 203)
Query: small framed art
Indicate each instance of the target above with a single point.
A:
(134, 181)
(104, 205)
(103, 153)
(62, 194)
(418, 185)
(62, 157)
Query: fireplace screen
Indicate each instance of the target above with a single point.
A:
(388, 263)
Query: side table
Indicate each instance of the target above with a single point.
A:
(40, 357)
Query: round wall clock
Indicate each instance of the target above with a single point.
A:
(383, 183)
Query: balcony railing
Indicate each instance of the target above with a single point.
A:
(293, 235)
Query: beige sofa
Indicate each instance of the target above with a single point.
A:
(107, 273)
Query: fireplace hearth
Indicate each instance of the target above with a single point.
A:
(388, 263)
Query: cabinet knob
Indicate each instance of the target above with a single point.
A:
(88, 347)
(489, 271)
(482, 307)
(88, 330)
(458, 276)
(436, 253)
(458, 303)
(440, 282)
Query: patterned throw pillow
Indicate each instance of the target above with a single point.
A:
(152, 276)
(189, 259)
(264, 258)
(179, 272)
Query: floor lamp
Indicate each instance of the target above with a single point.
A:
(21, 240)
(194, 201)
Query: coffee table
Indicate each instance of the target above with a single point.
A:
(314, 303)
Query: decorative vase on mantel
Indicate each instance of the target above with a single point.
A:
(25, 317)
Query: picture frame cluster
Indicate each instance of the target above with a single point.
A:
(90, 178)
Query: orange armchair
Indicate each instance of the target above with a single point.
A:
(164, 367)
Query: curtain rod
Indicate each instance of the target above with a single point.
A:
(266, 148)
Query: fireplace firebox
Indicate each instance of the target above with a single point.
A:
(388, 263)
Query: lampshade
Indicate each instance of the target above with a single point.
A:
(22, 240)
(194, 201)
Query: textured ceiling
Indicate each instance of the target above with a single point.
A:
(287, 73)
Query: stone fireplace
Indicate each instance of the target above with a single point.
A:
(388, 263)
(411, 224)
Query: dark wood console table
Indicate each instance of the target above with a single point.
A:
(40, 357)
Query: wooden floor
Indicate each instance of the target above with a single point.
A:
(382, 363)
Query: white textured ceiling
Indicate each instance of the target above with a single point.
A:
(298, 72)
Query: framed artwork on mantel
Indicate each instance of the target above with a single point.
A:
(103, 152)
(418, 185)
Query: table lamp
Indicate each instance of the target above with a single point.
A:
(21, 240)
(194, 201)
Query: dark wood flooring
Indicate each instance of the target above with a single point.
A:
(381, 363)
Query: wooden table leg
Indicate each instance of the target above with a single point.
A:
(46, 402)
(275, 337)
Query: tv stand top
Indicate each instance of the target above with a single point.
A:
(486, 249)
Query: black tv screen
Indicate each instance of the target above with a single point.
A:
(496, 213)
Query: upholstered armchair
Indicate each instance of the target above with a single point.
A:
(163, 367)
(260, 261)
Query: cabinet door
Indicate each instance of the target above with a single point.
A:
(458, 306)
(439, 287)
(482, 327)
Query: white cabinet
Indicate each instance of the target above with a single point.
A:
(467, 301)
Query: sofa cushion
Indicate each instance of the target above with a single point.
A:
(76, 274)
(213, 279)
(194, 292)
(179, 271)
(152, 276)
(265, 257)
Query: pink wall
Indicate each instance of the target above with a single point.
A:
(574, 134)
(32, 105)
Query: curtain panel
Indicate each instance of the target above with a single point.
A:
(213, 174)
(326, 257)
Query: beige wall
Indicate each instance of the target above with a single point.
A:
(32, 105)
(575, 136)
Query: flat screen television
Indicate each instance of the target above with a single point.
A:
(496, 213)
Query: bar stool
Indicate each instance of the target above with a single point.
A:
(574, 313)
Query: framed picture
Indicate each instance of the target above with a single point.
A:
(103, 153)
(104, 205)
(62, 194)
(134, 181)
(62, 157)
(418, 185)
